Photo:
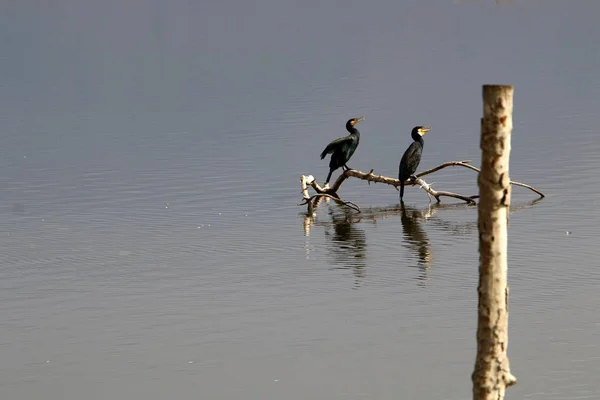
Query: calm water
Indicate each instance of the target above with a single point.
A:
(149, 172)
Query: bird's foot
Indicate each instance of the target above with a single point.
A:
(326, 185)
(347, 167)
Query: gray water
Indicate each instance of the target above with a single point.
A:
(152, 246)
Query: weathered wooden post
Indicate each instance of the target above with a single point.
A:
(492, 371)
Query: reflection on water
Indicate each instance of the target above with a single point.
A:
(346, 242)
(149, 176)
(415, 238)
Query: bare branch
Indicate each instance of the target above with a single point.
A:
(321, 192)
(365, 177)
(438, 193)
(467, 165)
(444, 165)
(304, 182)
(331, 192)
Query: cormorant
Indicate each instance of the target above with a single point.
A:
(412, 156)
(341, 149)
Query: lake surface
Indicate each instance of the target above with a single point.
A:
(152, 245)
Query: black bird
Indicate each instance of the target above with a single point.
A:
(341, 149)
(412, 156)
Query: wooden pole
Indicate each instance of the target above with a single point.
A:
(492, 372)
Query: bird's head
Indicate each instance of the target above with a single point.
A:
(353, 121)
(420, 130)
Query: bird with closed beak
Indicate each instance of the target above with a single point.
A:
(343, 148)
(412, 157)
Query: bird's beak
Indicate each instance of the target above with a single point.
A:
(361, 119)
(425, 129)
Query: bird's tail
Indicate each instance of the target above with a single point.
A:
(401, 189)
(329, 176)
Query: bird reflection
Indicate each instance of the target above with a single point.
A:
(348, 244)
(416, 238)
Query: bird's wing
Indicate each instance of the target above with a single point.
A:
(410, 152)
(333, 145)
